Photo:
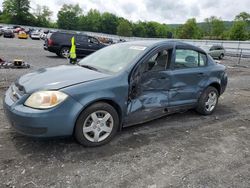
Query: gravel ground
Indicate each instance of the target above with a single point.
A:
(180, 150)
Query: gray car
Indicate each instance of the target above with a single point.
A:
(216, 51)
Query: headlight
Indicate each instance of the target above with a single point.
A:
(45, 99)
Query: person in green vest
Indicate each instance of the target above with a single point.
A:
(72, 53)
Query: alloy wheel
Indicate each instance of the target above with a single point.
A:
(98, 126)
(211, 101)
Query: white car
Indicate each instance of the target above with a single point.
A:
(43, 36)
(216, 51)
(35, 35)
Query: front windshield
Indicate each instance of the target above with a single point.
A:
(113, 58)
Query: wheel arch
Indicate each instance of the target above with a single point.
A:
(104, 100)
(216, 85)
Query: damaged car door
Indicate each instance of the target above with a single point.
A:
(189, 75)
(149, 88)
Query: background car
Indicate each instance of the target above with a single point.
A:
(18, 29)
(118, 86)
(22, 35)
(216, 51)
(60, 43)
(8, 34)
(35, 35)
(105, 40)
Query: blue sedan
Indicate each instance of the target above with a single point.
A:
(118, 86)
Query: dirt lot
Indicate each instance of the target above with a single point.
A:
(181, 150)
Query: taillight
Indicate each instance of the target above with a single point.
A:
(50, 42)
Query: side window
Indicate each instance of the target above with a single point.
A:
(212, 48)
(189, 59)
(158, 62)
(93, 40)
(81, 38)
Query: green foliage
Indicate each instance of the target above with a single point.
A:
(43, 15)
(243, 16)
(217, 28)
(189, 30)
(68, 16)
(238, 31)
(17, 11)
(151, 29)
(109, 23)
(124, 28)
(139, 29)
(93, 21)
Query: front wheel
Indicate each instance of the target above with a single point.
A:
(208, 101)
(221, 56)
(96, 125)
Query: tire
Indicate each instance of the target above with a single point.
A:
(64, 52)
(221, 56)
(208, 101)
(91, 129)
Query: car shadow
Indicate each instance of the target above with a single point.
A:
(54, 57)
(165, 130)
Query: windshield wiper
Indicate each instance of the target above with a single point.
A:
(89, 67)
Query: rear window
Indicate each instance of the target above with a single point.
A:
(61, 36)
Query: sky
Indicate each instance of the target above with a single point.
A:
(163, 11)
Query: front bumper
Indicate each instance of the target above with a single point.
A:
(23, 37)
(57, 121)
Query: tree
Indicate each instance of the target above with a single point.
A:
(151, 28)
(139, 29)
(109, 23)
(213, 27)
(217, 27)
(189, 30)
(124, 28)
(238, 31)
(243, 16)
(162, 30)
(92, 21)
(68, 16)
(43, 15)
(17, 11)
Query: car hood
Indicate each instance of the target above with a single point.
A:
(57, 77)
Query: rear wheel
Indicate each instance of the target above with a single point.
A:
(208, 101)
(96, 125)
(64, 52)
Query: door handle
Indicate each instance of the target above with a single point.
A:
(200, 73)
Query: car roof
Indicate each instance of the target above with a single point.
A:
(70, 33)
(155, 43)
